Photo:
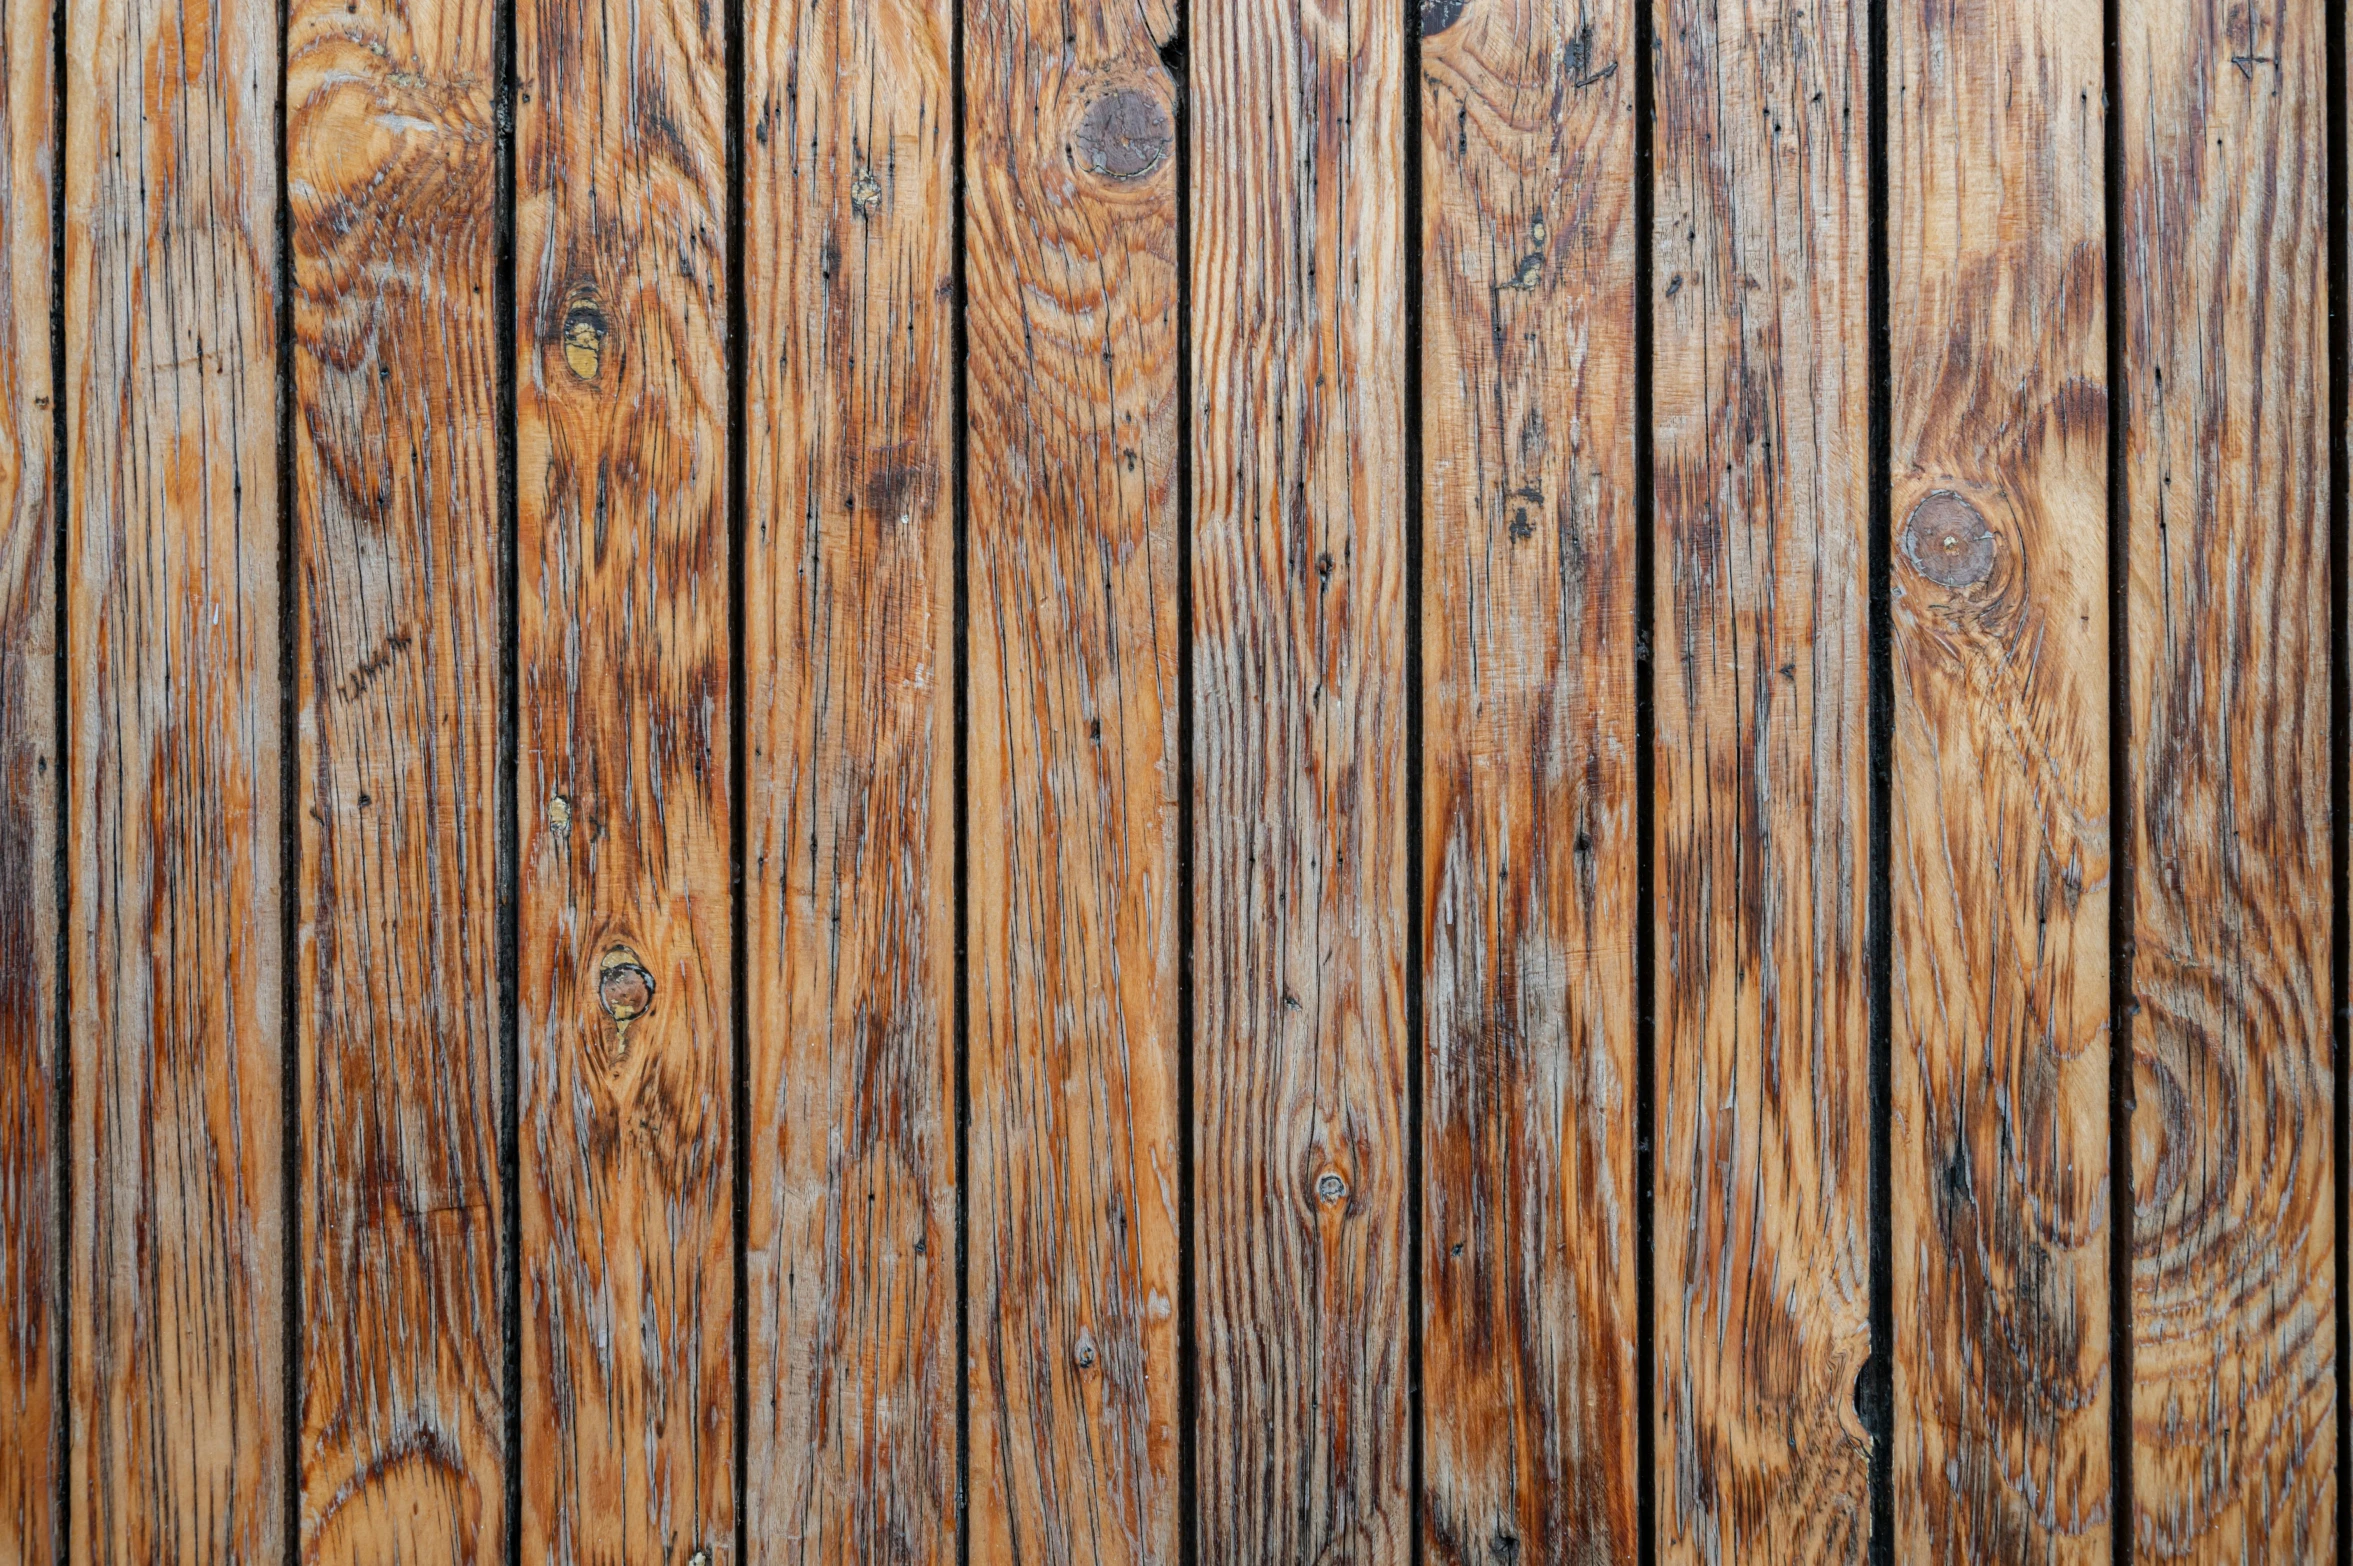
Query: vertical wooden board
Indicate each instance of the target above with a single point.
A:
(1761, 402)
(626, 1073)
(176, 941)
(391, 174)
(1299, 827)
(2000, 813)
(2226, 351)
(1528, 806)
(1071, 278)
(29, 759)
(850, 1249)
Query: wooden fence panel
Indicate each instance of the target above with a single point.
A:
(1071, 276)
(2000, 796)
(625, 1078)
(30, 758)
(2226, 355)
(1760, 407)
(1529, 826)
(177, 942)
(1300, 931)
(399, 625)
(850, 1245)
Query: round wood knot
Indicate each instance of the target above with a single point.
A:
(623, 987)
(1331, 1188)
(1082, 1353)
(584, 338)
(1948, 542)
(1123, 135)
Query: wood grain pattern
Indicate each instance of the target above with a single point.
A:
(1299, 828)
(391, 175)
(2000, 809)
(850, 1244)
(30, 1329)
(2226, 349)
(176, 939)
(626, 1072)
(1528, 818)
(1071, 278)
(1762, 426)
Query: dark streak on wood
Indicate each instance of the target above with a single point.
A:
(1762, 415)
(391, 169)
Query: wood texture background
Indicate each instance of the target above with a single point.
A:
(2000, 798)
(2226, 352)
(1529, 835)
(31, 1321)
(626, 1076)
(399, 620)
(1070, 236)
(850, 1244)
(178, 1401)
(1761, 418)
(1061, 625)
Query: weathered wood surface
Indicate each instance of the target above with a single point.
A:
(396, 526)
(2000, 800)
(626, 1071)
(1529, 828)
(1300, 931)
(850, 658)
(30, 761)
(1071, 279)
(1760, 408)
(177, 946)
(2226, 352)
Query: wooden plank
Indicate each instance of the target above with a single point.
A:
(626, 1073)
(2000, 816)
(177, 942)
(1761, 402)
(1528, 819)
(1071, 271)
(2226, 351)
(29, 778)
(850, 1244)
(1299, 824)
(391, 173)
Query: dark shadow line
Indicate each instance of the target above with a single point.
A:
(1646, 803)
(292, 1337)
(2340, 710)
(508, 896)
(738, 776)
(961, 678)
(61, 721)
(1416, 937)
(1877, 1392)
(2120, 808)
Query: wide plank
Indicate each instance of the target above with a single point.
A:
(626, 1073)
(2225, 309)
(1999, 816)
(30, 760)
(1761, 408)
(1529, 828)
(1301, 938)
(850, 1239)
(1071, 384)
(177, 940)
(391, 176)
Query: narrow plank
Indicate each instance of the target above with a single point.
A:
(2226, 351)
(850, 1244)
(1299, 829)
(1762, 443)
(1071, 277)
(2000, 817)
(391, 172)
(176, 941)
(1528, 819)
(29, 761)
(625, 1080)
